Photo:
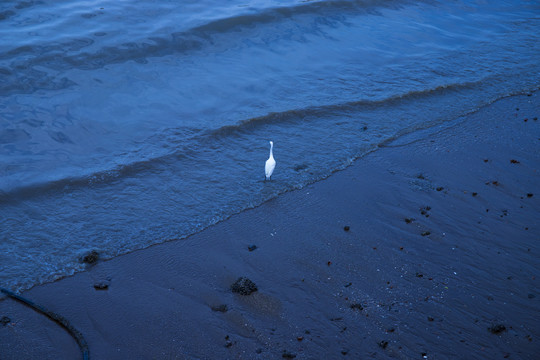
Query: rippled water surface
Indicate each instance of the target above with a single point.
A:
(129, 123)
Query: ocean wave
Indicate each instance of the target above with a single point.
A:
(297, 115)
(280, 13)
(181, 144)
(91, 179)
(94, 50)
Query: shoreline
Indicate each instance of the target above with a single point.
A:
(440, 255)
(73, 262)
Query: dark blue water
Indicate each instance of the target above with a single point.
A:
(129, 123)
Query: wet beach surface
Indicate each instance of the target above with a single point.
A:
(427, 248)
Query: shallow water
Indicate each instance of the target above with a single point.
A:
(124, 124)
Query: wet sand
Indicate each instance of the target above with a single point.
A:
(425, 248)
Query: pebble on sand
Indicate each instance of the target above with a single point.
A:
(102, 285)
(229, 343)
(220, 308)
(288, 355)
(5, 320)
(424, 211)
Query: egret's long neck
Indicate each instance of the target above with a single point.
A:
(271, 147)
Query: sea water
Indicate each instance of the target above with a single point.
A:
(129, 123)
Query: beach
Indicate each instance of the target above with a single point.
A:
(428, 247)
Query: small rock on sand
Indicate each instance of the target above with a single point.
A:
(5, 320)
(220, 308)
(425, 211)
(102, 285)
(288, 355)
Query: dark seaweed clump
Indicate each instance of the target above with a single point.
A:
(244, 286)
(497, 328)
(90, 258)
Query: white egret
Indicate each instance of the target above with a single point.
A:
(270, 163)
